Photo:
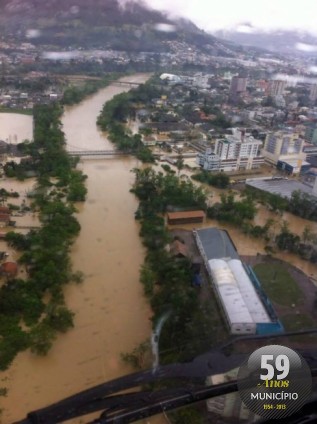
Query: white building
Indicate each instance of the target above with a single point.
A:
(245, 306)
(208, 161)
(171, 78)
(240, 302)
(284, 146)
(236, 151)
(201, 80)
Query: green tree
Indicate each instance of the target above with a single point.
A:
(60, 318)
(42, 338)
(307, 234)
(179, 164)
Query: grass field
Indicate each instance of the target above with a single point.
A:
(278, 284)
(294, 322)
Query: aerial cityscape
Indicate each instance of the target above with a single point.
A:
(158, 183)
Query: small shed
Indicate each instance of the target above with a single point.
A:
(185, 217)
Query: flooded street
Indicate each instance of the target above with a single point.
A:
(112, 316)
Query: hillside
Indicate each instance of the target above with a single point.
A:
(280, 41)
(102, 24)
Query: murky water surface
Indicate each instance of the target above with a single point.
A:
(111, 314)
(15, 128)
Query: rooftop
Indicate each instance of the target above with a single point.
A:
(281, 187)
(178, 248)
(9, 268)
(217, 244)
(186, 214)
(237, 292)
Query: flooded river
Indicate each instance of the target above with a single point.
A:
(112, 316)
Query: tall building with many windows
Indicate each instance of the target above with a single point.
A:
(238, 87)
(235, 151)
(276, 88)
(311, 133)
(313, 93)
(284, 146)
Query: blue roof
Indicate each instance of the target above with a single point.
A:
(217, 243)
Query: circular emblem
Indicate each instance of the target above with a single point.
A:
(274, 382)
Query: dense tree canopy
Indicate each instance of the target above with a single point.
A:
(116, 113)
(25, 319)
(219, 180)
(167, 281)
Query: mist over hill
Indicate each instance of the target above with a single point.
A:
(280, 41)
(129, 26)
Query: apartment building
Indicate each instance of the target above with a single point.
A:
(286, 147)
(234, 152)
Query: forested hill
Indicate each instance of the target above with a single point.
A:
(94, 12)
(99, 24)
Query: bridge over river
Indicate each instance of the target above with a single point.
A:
(87, 153)
(125, 83)
(97, 153)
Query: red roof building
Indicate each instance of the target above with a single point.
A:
(185, 217)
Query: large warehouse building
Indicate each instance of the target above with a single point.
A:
(245, 307)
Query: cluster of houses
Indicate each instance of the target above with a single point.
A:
(232, 121)
(17, 99)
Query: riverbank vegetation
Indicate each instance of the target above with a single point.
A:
(116, 113)
(219, 180)
(47, 157)
(242, 213)
(300, 204)
(75, 94)
(167, 281)
(232, 211)
(191, 321)
(32, 306)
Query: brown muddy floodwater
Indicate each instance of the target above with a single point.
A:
(112, 316)
(15, 128)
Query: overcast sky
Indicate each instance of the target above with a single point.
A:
(218, 14)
